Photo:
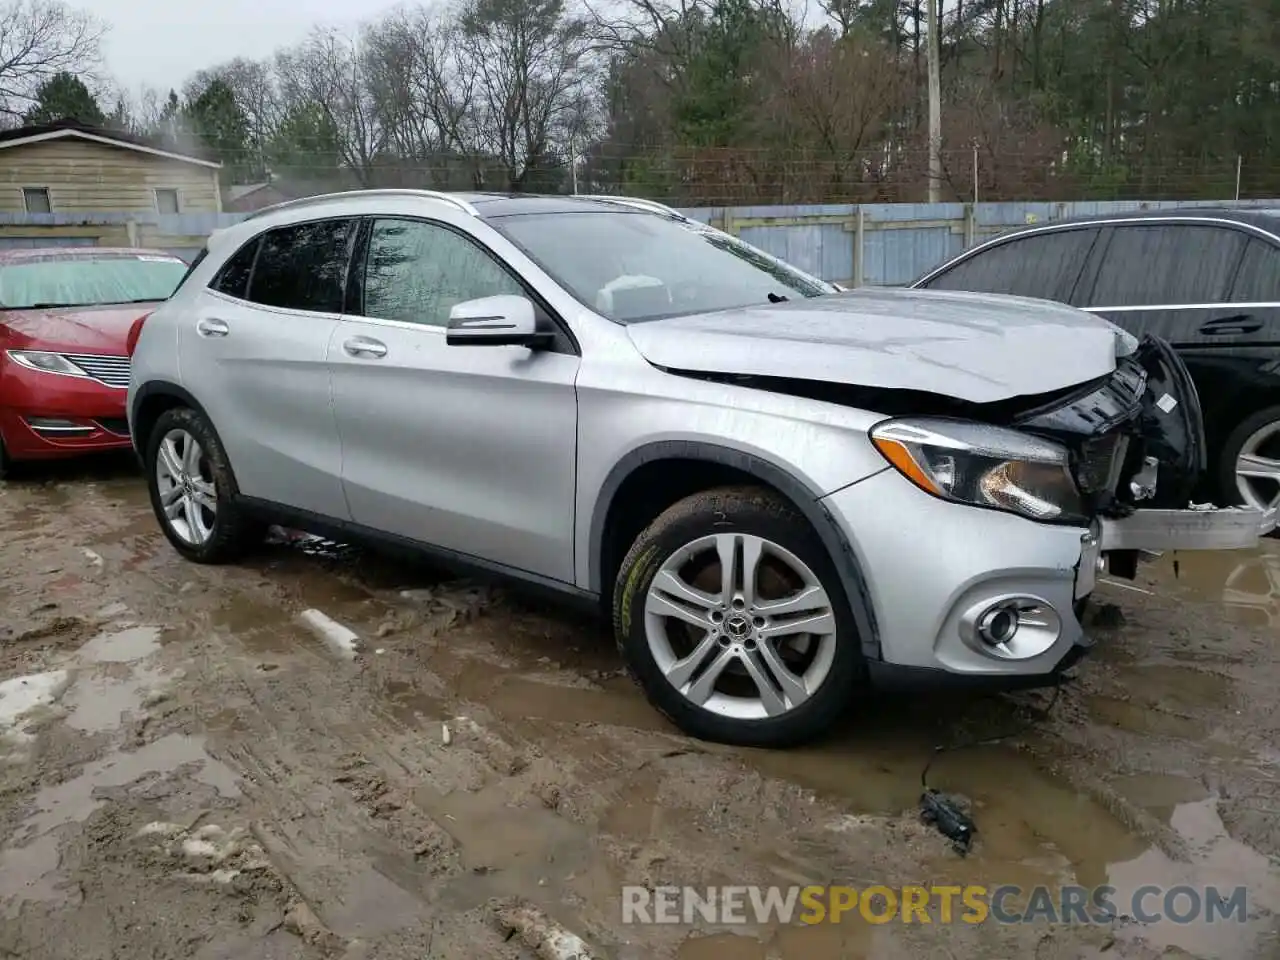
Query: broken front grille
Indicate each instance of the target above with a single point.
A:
(1099, 463)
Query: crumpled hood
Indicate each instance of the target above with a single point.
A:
(98, 330)
(971, 346)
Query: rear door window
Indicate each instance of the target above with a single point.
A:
(1044, 265)
(1259, 278)
(1170, 264)
(304, 266)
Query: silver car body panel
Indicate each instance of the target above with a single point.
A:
(511, 457)
(269, 370)
(968, 346)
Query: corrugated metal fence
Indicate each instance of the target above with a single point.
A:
(878, 244)
(894, 243)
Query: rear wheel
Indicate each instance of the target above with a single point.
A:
(732, 618)
(1249, 472)
(193, 490)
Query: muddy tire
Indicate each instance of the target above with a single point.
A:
(769, 660)
(1258, 435)
(193, 490)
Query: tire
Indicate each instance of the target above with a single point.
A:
(5, 463)
(230, 532)
(1242, 436)
(745, 515)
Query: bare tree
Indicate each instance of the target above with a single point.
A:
(425, 98)
(253, 84)
(40, 38)
(530, 59)
(328, 70)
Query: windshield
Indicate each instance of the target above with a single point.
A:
(88, 281)
(632, 267)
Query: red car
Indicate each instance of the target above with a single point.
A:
(65, 320)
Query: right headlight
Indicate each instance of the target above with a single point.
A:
(46, 362)
(983, 466)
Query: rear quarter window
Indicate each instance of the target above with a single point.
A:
(233, 278)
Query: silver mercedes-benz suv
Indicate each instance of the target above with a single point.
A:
(779, 491)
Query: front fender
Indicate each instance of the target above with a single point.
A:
(806, 498)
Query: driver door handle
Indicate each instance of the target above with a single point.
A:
(365, 347)
(212, 327)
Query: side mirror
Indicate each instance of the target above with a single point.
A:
(495, 322)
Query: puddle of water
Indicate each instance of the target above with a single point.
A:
(1143, 718)
(1175, 687)
(411, 706)
(263, 628)
(511, 850)
(1247, 583)
(101, 702)
(1160, 793)
(722, 946)
(1216, 860)
(121, 646)
(1032, 827)
(637, 813)
(28, 866)
(620, 703)
(847, 940)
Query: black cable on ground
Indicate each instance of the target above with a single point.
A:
(945, 813)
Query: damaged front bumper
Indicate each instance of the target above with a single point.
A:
(993, 600)
(1197, 528)
(1140, 453)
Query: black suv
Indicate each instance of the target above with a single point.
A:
(1205, 279)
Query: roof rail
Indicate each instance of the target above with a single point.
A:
(449, 198)
(653, 206)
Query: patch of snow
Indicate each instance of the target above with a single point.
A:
(20, 695)
(343, 641)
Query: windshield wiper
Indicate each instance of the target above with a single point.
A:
(777, 298)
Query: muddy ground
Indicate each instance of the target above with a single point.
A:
(188, 771)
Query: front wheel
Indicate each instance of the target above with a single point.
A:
(193, 490)
(730, 615)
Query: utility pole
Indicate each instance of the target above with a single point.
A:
(935, 103)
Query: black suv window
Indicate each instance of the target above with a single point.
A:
(1044, 265)
(1172, 263)
(1259, 278)
(233, 278)
(304, 266)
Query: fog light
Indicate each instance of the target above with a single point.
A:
(57, 426)
(998, 625)
(1011, 627)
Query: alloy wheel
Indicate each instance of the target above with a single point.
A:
(1258, 468)
(740, 626)
(188, 495)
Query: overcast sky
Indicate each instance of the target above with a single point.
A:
(161, 43)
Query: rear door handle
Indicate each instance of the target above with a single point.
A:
(211, 327)
(365, 347)
(1221, 326)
